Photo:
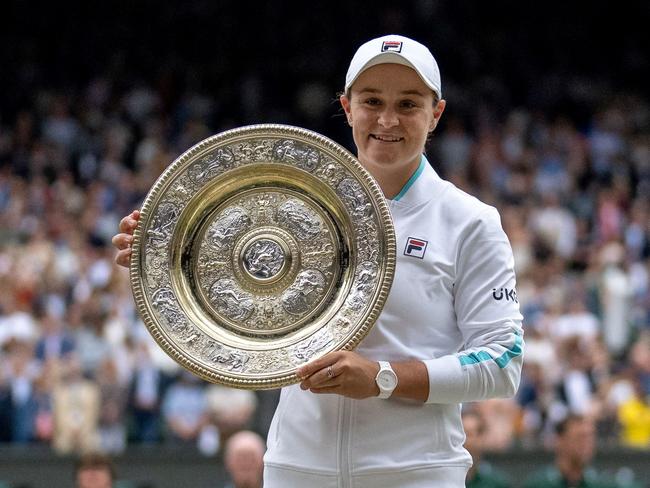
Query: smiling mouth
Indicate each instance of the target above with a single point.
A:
(386, 138)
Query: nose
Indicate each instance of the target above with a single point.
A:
(388, 118)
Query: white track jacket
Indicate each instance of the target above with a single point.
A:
(452, 305)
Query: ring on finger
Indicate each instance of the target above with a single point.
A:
(330, 372)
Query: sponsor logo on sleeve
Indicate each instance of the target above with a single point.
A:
(391, 46)
(507, 294)
(415, 247)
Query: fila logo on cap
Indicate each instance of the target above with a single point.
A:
(392, 46)
(415, 247)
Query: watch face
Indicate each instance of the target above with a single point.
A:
(387, 380)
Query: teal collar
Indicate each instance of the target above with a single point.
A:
(412, 179)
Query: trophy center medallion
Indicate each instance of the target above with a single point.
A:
(264, 259)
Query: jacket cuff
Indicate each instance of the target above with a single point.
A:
(447, 380)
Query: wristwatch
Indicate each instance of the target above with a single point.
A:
(386, 379)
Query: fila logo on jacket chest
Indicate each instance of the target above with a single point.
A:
(415, 247)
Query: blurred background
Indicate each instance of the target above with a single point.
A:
(548, 119)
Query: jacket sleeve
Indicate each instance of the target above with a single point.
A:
(487, 313)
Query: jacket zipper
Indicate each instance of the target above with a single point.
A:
(344, 442)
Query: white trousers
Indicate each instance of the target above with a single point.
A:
(441, 477)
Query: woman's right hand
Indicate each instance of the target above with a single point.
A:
(124, 239)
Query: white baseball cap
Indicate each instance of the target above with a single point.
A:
(399, 50)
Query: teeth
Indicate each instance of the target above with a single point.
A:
(388, 139)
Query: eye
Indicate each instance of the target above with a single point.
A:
(372, 101)
(408, 104)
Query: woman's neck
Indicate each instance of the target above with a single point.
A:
(391, 179)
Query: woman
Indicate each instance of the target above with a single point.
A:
(388, 414)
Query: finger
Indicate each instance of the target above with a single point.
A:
(122, 241)
(130, 222)
(323, 377)
(310, 368)
(311, 383)
(328, 389)
(127, 224)
(123, 258)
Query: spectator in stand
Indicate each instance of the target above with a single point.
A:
(231, 410)
(55, 342)
(76, 404)
(185, 409)
(145, 397)
(575, 445)
(481, 474)
(634, 417)
(244, 460)
(112, 418)
(577, 387)
(94, 471)
(21, 371)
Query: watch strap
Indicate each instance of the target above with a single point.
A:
(385, 366)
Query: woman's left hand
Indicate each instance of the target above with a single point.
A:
(342, 372)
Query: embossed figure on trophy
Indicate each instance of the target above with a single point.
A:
(304, 157)
(236, 306)
(233, 360)
(299, 219)
(264, 259)
(352, 194)
(163, 298)
(156, 276)
(212, 165)
(190, 336)
(252, 151)
(330, 173)
(263, 209)
(367, 241)
(305, 292)
(162, 225)
(233, 221)
(165, 302)
(363, 285)
(305, 352)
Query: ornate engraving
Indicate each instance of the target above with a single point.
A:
(225, 357)
(233, 221)
(301, 220)
(211, 165)
(230, 301)
(157, 266)
(162, 225)
(331, 173)
(298, 154)
(305, 292)
(252, 151)
(264, 258)
(363, 285)
(354, 197)
(268, 361)
(165, 302)
(319, 341)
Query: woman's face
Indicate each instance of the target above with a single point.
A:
(391, 112)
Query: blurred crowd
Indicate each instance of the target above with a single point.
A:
(79, 371)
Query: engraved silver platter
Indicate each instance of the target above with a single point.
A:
(260, 249)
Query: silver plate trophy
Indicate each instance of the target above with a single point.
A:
(260, 249)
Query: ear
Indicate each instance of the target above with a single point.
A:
(347, 108)
(437, 113)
